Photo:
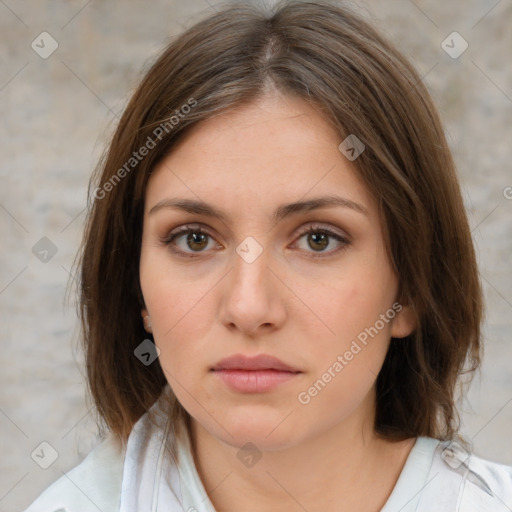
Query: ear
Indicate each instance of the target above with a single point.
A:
(404, 323)
(146, 320)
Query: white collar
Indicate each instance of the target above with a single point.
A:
(152, 480)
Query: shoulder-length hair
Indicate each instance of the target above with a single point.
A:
(336, 61)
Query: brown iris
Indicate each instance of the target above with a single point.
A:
(320, 239)
(200, 239)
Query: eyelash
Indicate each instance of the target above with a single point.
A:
(182, 230)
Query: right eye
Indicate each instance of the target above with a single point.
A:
(186, 237)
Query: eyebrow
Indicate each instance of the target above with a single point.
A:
(282, 211)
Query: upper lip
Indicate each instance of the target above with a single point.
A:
(261, 362)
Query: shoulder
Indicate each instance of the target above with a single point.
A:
(488, 482)
(94, 484)
(466, 481)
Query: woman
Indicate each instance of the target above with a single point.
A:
(279, 289)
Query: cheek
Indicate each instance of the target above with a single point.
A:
(357, 315)
(180, 330)
(180, 310)
(344, 366)
(349, 305)
(172, 294)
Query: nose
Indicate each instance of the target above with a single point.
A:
(253, 297)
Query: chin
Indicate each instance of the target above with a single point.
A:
(265, 429)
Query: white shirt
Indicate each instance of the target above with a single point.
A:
(437, 477)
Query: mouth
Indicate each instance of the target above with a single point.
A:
(254, 374)
(262, 362)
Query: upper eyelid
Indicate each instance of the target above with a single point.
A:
(300, 232)
(317, 225)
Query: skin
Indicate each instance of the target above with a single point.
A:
(304, 310)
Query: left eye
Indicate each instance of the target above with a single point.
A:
(318, 239)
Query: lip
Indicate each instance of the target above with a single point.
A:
(260, 362)
(254, 374)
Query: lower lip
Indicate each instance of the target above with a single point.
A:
(255, 381)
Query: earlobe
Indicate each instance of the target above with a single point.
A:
(404, 323)
(147, 320)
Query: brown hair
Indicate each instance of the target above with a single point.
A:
(336, 61)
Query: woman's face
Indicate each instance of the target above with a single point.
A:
(255, 282)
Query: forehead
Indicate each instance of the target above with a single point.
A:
(277, 149)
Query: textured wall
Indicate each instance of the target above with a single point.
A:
(56, 114)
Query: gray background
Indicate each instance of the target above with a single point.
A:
(56, 115)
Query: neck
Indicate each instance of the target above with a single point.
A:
(337, 469)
